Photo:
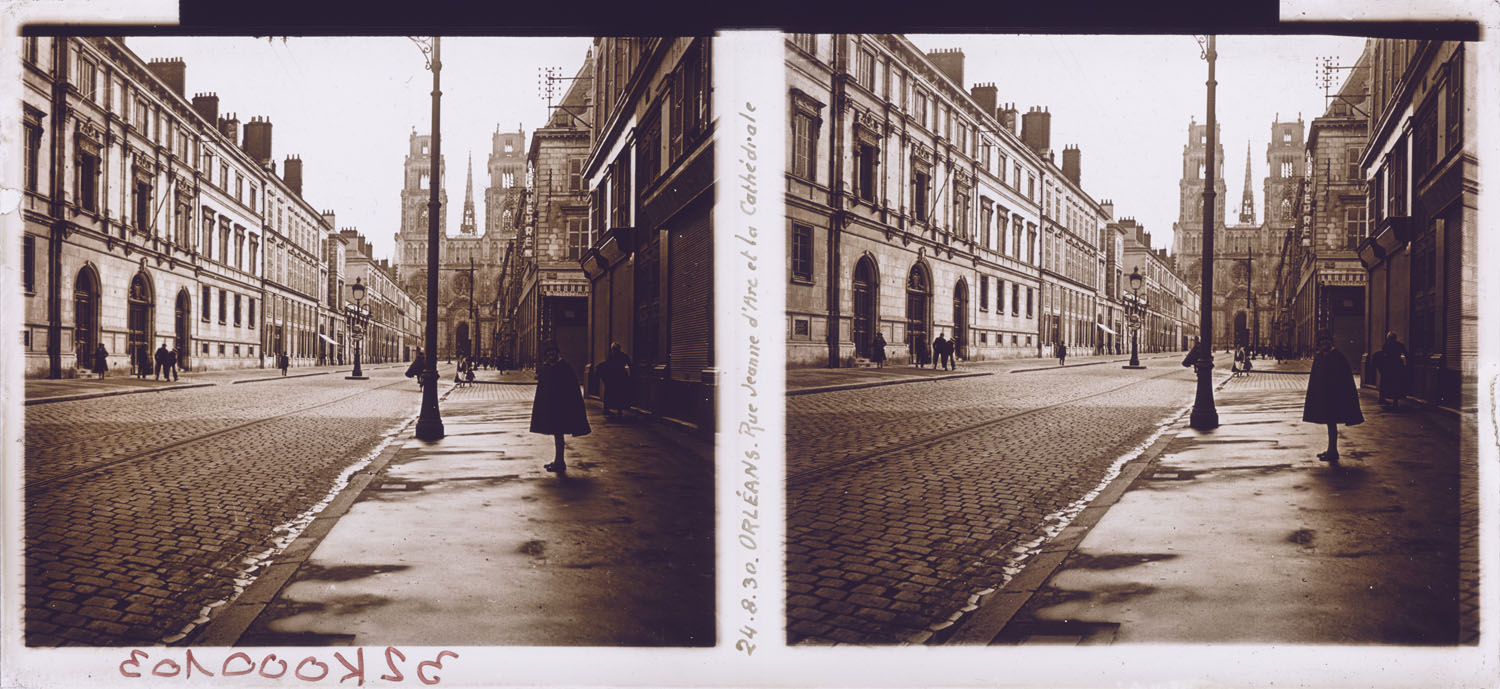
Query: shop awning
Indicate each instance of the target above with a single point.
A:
(1105, 329)
(328, 339)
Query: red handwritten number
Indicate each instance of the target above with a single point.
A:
(310, 678)
(133, 660)
(224, 670)
(391, 651)
(172, 668)
(267, 661)
(353, 670)
(438, 663)
(193, 663)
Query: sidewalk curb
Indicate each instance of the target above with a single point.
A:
(113, 393)
(1091, 363)
(285, 377)
(878, 383)
(226, 628)
(995, 611)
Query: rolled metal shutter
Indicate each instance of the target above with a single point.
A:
(691, 290)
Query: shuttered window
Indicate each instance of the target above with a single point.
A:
(690, 257)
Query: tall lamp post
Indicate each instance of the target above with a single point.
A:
(1134, 311)
(358, 319)
(430, 422)
(1205, 416)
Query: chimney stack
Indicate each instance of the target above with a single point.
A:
(229, 126)
(257, 143)
(1107, 206)
(1036, 130)
(984, 95)
(949, 61)
(171, 71)
(207, 107)
(1070, 166)
(291, 173)
(1008, 117)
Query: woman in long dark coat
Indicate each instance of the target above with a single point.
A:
(616, 375)
(1393, 375)
(557, 409)
(101, 359)
(877, 350)
(1331, 396)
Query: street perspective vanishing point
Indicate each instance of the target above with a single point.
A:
(273, 397)
(1015, 418)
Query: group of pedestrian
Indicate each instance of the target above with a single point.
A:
(163, 363)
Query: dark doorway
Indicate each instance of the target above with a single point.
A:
(86, 316)
(918, 312)
(960, 319)
(461, 339)
(182, 321)
(863, 327)
(139, 317)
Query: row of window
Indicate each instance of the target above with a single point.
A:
(1015, 297)
(205, 311)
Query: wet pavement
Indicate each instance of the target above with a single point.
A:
(468, 541)
(1241, 535)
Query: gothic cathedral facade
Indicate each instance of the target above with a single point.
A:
(469, 263)
(1245, 252)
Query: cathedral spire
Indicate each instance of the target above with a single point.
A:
(1247, 206)
(467, 226)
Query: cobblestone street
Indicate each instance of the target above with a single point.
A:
(143, 510)
(928, 494)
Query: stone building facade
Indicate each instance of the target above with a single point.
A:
(553, 300)
(1421, 173)
(650, 180)
(913, 206)
(1324, 283)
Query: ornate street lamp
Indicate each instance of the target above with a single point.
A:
(1205, 415)
(429, 421)
(358, 319)
(1135, 310)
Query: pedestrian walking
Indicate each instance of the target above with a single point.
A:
(161, 362)
(283, 362)
(1331, 396)
(101, 360)
(557, 409)
(1062, 354)
(919, 349)
(142, 361)
(171, 363)
(1391, 363)
(939, 352)
(877, 350)
(618, 381)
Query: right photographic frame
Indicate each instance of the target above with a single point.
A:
(1101, 339)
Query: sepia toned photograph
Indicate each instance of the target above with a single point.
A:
(1131, 339)
(291, 379)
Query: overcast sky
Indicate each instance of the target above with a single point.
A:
(1126, 102)
(347, 106)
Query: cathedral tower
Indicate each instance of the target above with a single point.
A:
(466, 226)
(1247, 201)
(1187, 232)
(1285, 156)
(416, 190)
(507, 168)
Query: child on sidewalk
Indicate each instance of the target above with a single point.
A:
(1331, 396)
